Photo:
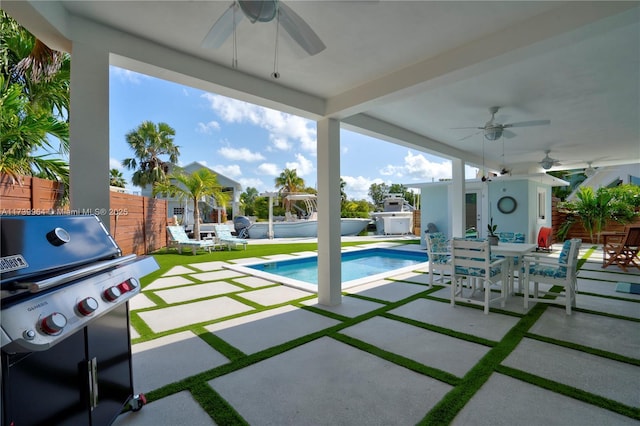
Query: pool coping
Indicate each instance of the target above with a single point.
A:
(313, 288)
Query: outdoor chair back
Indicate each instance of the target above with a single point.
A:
(622, 251)
(439, 255)
(560, 272)
(472, 261)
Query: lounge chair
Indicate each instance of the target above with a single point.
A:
(622, 248)
(223, 234)
(178, 238)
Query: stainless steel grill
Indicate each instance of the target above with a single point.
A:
(64, 334)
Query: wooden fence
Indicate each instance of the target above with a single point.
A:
(138, 224)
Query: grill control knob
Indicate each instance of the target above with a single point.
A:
(54, 323)
(87, 306)
(58, 236)
(133, 283)
(112, 293)
(124, 287)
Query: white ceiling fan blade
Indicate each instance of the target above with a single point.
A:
(223, 28)
(467, 137)
(299, 30)
(508, 134)
(529, 123)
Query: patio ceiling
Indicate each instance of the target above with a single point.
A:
(407, 72)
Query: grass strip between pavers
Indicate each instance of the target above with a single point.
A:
(586, 349)
(408, 363)
(575, 393)
(216, 406)
(453, 402)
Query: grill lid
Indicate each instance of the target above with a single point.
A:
(33, 246)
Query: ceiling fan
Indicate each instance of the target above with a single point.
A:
(548, 162)
(494, 131)
(263, 11)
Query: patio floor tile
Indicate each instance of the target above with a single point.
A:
(609, 306)
(601, 376)
(412, 277)
(461, 318)
(192, 313)
(610, 276)
(209, 266)
(387, 290)
(603, 288)
(217, 275)
(140, 301)
(246, 260)
(178, 270)
(275, 295)
(253, 282)
(177, 295)
(170, 410)
(168, 282)
(171, 358)
(263, 330)
(350, 307)
(426, 347)
(326, 382)
(503, 400)
(595, 331)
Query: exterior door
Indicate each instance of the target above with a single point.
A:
(473, 213)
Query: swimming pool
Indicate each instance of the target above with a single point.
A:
(358, 267)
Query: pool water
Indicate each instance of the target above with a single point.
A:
(355, 264)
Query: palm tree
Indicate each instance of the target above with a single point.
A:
(34, 96)
(289, 182)
(149, 142)
(116, 178)
(199, 184)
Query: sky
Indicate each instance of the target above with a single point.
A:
(252, 144)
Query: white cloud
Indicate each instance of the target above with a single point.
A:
(115, 164)
(285, 130)
(231, 170)
(302, 166)
(417, 167)
(268, 169)
(208, 128)
(127, 75)
(254, 182)
(358, 187)
(242, 154)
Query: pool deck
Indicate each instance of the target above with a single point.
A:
(227, 348)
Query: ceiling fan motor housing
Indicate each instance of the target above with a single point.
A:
(493, 133)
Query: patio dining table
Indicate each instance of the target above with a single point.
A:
(510, 251)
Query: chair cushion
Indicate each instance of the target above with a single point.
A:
(438, 243)
(547, 271)
(506, 237)
(518, 238)
(478, 272)
(564, 254)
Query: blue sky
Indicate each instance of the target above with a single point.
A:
(252, 144)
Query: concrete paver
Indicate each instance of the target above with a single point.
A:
(171, 358)
(192, 313)
(600, 376)
(426, 347)
(464, 319)
(262, 330)
(176, 409)
(505, 401)
(326, 382)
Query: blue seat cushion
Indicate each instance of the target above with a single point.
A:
(548, 271)
(478, 272)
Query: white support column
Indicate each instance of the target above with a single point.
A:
(89, 131)
(329, 260)
(458, 201)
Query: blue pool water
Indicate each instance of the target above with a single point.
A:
(355, 264)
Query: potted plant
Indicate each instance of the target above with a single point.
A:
(493, 237)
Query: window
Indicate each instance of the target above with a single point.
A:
(178, 211)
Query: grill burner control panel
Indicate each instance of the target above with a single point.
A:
(40, 322)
